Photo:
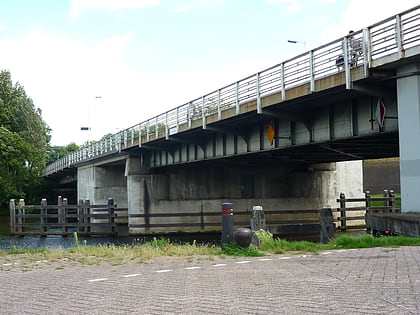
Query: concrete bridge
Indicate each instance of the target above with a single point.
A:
(289, 137)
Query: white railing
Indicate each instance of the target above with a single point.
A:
(389, 37)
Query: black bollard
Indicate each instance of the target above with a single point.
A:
(242, 237)
(227, 223)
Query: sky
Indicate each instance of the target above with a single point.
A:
(111, 64)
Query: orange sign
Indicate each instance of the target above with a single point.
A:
(271, 134)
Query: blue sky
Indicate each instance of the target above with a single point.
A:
(144, 57)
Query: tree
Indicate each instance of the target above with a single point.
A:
(24, 137)
(56, 152)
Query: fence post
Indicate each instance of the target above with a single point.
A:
(21, 213)
(111, 212)
(43, 218)
(60, 213)
(392, 201)
(368, 202)
(81, 212)
(386, 201)
(343, 220)
(86, 208)
(227, 223)
(257, 223)
(12, 208)
(64, 213)
(326, 224)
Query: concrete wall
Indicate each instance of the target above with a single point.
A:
(381, 174)
(98, 183)
(201, 191)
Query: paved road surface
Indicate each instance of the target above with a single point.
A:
(362, 281)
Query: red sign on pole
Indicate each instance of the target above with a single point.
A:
(380, 112)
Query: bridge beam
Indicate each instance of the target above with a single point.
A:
(408, 88)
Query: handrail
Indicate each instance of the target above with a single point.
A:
(392, 35)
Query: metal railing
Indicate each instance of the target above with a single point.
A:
(389, 37)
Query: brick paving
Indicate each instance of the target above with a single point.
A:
(362, 281)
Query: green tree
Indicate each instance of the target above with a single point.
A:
(56, 152)
(24, 137)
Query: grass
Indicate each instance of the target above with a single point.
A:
(381, 203)
(140, 253)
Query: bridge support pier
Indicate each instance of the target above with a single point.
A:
(137, 192)
(408, 94)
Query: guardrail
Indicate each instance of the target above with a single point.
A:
(389, 37)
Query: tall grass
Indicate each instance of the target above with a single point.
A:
(86, 254)
(280, 246)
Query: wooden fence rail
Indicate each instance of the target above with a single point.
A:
(87, 219)
(386, 204)
(63, 219)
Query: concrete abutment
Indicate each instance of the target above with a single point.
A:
(188, 198)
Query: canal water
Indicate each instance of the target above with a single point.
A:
(8, 241)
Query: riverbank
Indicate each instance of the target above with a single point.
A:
(83, 254)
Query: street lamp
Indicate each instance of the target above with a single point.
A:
(88, 128)
(297, 42)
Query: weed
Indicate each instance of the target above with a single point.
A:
(233, 249)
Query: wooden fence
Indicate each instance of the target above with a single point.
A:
(87, 219)
(386, 204)
(63, 219)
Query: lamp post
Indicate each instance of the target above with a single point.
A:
(88, 128)
(297, 42)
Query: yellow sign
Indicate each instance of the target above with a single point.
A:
(271, 134)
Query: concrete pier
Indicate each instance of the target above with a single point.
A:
(408, 86)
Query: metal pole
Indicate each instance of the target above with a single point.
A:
(227, 223)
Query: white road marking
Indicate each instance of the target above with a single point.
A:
(265, 259)
(132, 275)
(219, 265)
(242, 262)
(192, 268)
(8, 264)
(326, 253)
(164, 270)
(287, 257)
(99, 279)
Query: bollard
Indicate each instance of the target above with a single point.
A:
(227, 223)
(242, 237)
(326, 222)
(257, 223)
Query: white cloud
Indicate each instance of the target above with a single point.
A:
(63, 76)
(361, 13)
(180, 6)
(78, 6)
(292, 5)
(1, 27)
